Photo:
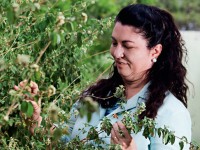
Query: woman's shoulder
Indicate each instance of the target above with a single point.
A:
(175, 116)
(172, 105)
(173, 112)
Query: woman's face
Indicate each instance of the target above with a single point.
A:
(130, 52)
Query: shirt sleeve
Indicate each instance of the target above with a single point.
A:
(180, 123)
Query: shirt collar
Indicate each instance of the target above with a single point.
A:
(140, 97)
(134, 101)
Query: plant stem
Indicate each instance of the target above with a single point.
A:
(42, 52)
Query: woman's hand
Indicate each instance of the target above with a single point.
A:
(33, 89)
(120, 135)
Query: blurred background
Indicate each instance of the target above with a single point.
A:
(186, 15)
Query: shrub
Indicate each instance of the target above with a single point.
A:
(46, 42)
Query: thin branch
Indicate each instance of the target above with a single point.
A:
(103, 98)
(104, 72)
(42, 52)
(39, 101)
(12, 107)
(105, 51)
(26, 44)
(10, 48)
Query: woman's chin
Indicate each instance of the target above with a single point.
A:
(125, 74)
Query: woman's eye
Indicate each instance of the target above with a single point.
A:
(114, 44)
(127, 47)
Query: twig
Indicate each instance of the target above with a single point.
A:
(10, 108)
(42, 52)
(26, 44)
(39, 101)
(103, 72)
(105, 51)
(103, 98)
(10, 48)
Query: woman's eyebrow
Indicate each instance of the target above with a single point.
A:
(113, 38)
(125, 41)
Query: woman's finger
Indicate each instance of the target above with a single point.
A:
(120, 135)
(23, 83)
(16, 88)
(124, 130)
(114, 138)
(33, 85)
(116, 135)
(34, 88)
(119, 132)
(126, 138)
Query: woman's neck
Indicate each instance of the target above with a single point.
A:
(132, 88)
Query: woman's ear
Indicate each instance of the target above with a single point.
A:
(156, 51)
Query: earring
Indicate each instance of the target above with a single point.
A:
(154, 60)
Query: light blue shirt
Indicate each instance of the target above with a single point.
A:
(171, 114)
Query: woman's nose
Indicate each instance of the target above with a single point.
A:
(118, 52)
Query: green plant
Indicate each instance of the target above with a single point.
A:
(46, 42)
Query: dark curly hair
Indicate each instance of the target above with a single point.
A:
(168, 73)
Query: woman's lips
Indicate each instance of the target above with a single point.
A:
(120, 63)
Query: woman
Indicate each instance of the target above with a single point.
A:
(147, 49)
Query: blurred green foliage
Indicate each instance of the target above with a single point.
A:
(185, 12)
(47, 42)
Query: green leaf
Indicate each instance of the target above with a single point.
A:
(24, 106)
(37, 75)
(151, 131)
(58, 39)
(79, 39)
(29, 112)
(106, 125)
(136, 129)
(11, 122)
(11, 16)
(82, 112)
(172, 140)
(55, 38)
(70, 26)
(181, 144)
(92, 134)
(168, 139)
(146, 132)
(13, 69)
(165, 139)
(89, 116)
(57, 133)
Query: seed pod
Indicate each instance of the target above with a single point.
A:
(85, 17)
(23, 59)
(51, 90)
